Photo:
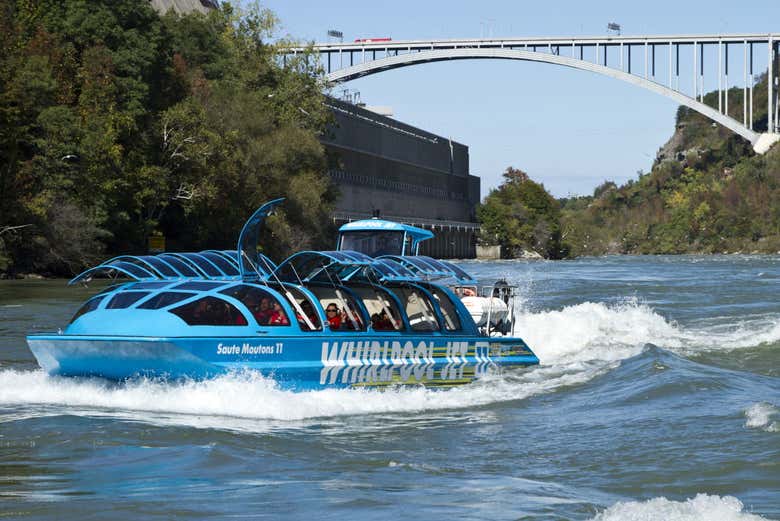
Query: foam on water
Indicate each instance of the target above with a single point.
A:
(703, 507)
(592, 331)
(249, 395)
(598, 331)
(759, 416)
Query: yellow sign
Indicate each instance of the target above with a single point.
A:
(156, 243)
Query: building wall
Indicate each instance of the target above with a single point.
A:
(400, 170)
(406, 174)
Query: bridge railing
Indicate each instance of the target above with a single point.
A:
(662, 60)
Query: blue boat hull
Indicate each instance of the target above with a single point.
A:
(297, 362)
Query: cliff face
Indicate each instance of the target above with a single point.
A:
(707, 193)
(184, 6)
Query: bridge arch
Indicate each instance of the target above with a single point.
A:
(435, 55)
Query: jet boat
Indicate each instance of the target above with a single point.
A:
(371, 313)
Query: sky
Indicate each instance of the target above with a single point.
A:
(568, 129)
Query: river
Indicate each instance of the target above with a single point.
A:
(658, 397)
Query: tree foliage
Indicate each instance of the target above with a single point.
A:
(116, 123)
(521, 215)
(711, 194)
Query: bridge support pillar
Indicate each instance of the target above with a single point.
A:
(770, 81)
(765, 142)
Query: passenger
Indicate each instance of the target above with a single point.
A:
(351, 320)
(202, 312)
(264, 311)
(381, 322)
(233, 315)
(250, 301)
(334, 317)
(308, 310)
(277, 317)
(222, 314)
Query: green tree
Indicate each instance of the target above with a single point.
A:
(521, 214)
(116, 123)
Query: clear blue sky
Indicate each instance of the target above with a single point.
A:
(569, 129)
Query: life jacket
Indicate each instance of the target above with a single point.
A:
(335, 322)
(278, 319)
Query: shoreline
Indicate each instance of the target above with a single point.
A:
(48, 276)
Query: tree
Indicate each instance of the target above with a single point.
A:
(116, 123)
(521, 214)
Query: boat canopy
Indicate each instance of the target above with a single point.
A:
(429, 268)
(209, 264)
(382, 225)
(301, 267)
(251, 262)
(247, 263)
(341, 266)
(321, 265)
(388, 270)
(377, 237)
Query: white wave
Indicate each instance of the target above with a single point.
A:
(703, 507)
(593, 331)
(759, 416)
(750, 337)
(744, 333)
(228, 401)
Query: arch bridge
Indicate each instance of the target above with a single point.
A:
(650, 62)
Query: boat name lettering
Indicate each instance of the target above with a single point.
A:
(249, 349)
(374, 351)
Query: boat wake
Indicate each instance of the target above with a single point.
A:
(702, 507)
(761, 416)
(228, 401)
(597, 331)
(575, 344)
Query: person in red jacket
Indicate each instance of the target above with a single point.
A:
(278, 318)
(334, 317)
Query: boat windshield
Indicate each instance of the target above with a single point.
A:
(381, 307)
(210, 311)
(301, 306)
(447, 307)
(263, 306)
(346, 313)
(90, 305)
(373, 243)
(418, 308)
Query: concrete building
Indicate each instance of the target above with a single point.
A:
(403, 173)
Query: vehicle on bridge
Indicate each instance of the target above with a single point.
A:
(371, 313)
(373, 40)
